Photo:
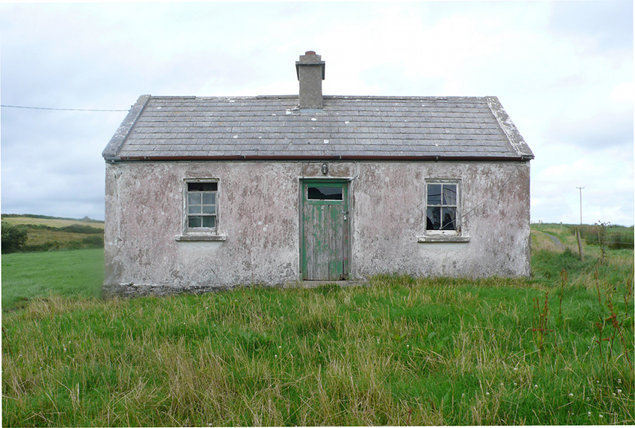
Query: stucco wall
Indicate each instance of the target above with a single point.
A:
(258, 212)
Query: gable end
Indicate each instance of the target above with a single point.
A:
(515, 139)
(111, 152)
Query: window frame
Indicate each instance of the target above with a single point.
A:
(456, 235)
(200, 233)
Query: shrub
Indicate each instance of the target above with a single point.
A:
(620, 238)
(615, 237)
(13, 238)
(46, 246)
(93, 241)
(80, 228)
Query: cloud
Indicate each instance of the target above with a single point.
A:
(563, 71)
(604, 25)
(606, 175)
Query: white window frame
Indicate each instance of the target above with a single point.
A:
(200, 233)
(456, 235)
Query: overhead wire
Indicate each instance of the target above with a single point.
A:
(59, 108)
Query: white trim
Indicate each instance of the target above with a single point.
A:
(207, 237)
(200, 233)
(438, 239)
(444, 236)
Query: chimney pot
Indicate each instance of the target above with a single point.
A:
(310, 70)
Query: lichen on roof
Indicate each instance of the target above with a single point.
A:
(356, 127)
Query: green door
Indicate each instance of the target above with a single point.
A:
(324, 230)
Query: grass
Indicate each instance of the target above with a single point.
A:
(40, 274)
(616, 237)
(42, 236)
(46, 233)
(555, 349)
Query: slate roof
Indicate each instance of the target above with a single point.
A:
(348, 127)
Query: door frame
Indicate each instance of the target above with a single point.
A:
(346, 199)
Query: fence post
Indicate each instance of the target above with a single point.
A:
(577, 234)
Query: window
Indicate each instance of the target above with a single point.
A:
(443, 212)
(442, 206)
(200, 211)
(201, 206)
(324, 193)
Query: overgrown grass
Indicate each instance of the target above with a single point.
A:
(401, 351)
(67, 273)
(611, 236)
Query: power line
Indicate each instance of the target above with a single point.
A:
(58, 109)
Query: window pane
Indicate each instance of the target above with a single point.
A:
(329, 193)
(194, 221)
(194, 209)
(194, 198)
(209, 198)
(202, 187)
(449, 218)
(449, 194)
(434, 194)
(209, 209)
(434, 218)
(209, 221)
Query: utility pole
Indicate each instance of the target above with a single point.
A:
(579, 231)
(580, 188)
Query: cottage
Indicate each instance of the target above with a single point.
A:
(211, 192)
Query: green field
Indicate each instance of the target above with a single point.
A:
(553, 349)
(49, 221)
(40, 274)
(44, 233)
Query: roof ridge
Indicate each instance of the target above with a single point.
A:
(363, 97)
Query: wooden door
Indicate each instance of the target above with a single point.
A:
(325, 231)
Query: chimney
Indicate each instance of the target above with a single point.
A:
(310, 70)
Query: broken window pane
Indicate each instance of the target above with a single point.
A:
(434, 194)
(449, 194)
(442, 206)
(449, 218)
(329, 193)
(434, 218)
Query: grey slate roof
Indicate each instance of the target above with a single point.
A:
(348, 127)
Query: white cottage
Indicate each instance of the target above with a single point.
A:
(212, 192)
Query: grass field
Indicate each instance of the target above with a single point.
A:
(48, 221)
(554, 349)
(53, 233)
(40, 274)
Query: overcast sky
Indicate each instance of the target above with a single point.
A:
(563, 70)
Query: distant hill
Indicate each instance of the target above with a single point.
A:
(45, 233)
(49, 220)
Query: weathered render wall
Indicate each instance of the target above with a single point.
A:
(258, 211)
